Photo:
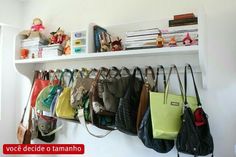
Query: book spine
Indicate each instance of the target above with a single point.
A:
(183, 22)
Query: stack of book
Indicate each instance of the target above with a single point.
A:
(50, 51)
(33, 45)
(147, 38)
(183, 20)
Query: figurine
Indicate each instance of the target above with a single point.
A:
(24, 53)
(172, 42)
(67, 49)
(58, 37)
(160, 40)
(116, 45)
(37, 25)
(187, 41)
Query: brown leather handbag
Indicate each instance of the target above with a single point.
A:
(24, 133)
(144, 97)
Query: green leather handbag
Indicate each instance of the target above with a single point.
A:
(166, 110)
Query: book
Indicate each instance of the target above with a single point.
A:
(182, 22)
(164, 31)
(184, 16)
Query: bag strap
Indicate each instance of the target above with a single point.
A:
(168, 83)
(126, 70)
(62, 77)
(36, 74)
(188, 66)
(160, 67)
(140, 72)
(83, 122)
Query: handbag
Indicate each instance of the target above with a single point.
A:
(126, 115)
(144, 95)
(100, 117)
(114, 88)
(63, 104)
(42, 80)
(47, 127)
(145, 130)
(81, 87)
(166, 110)
(194, 136)
(24, 133)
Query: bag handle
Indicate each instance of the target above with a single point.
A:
(125, 69)
(140, 72)
(62, 76)
(160, 67)
(116, 70)
(83, 122)
(147, 69)
(188, 66)
(168, 84)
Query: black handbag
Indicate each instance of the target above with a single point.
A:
(194, 136)
(145, 129)
(126, 115)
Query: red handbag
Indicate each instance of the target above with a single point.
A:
(41, 82)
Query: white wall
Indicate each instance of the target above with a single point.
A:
(219, 99)
(9, 14)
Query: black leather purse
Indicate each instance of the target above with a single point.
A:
(194, 136)
(126, 115)
(145, 129)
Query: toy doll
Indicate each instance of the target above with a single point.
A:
(187, 41)
(172, 42)
(37, 25)
(67, 49)
(116, 45)
(57, 37)
(160, 40)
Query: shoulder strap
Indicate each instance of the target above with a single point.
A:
(188, 66)
(157, 75)
(82, 121)
(140, 72)
(168, 83)
(36, 74)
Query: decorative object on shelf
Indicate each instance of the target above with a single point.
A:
(172, 42)
(67, 48)
(37, 25)
(183, 19)
(24, 53)
(187, 41)
(58, 37)
(116, 45)
(160, 40)
(36, 29)
(97, 31)
(105, 42)
(78, 42)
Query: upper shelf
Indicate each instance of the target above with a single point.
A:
(125, 53)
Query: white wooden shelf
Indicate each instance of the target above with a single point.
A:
(195, 55)
(125, 53)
